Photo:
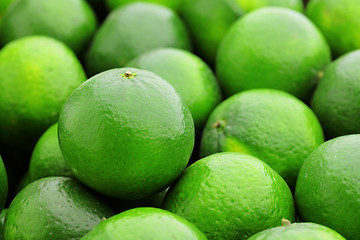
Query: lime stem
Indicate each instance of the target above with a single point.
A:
(285, 222)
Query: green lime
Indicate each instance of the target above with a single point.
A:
(54, 208)
(145, 223)
(336, 99)
(251, 5)
(70, 21)
(46, 159)
(173, 4)
(37, 74)
(2, 222)
(3, 184)
(131, 31)
(208, 21)
(190, 77)
(273, 48)
(328, 186)
(231, 196)
(298, 231)
(4, 5)
(269, 124)
(339, 22)
(126, 133)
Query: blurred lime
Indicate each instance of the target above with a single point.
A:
(173, 4)
(339, 22)
(37, 74)
(133, 30)
(70, 21)
(273, 48)
(3, 184)
(231, 196)
(190, 77)
(46, 159)
(208, 21)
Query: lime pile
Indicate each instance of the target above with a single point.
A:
(179, 119)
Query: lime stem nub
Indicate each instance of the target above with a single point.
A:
(285, 222)
(128, 75)
(219, 124)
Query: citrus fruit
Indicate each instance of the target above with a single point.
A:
(46, 159)
(2, 222)
(231, 196)
(336, 99)
(269, 124)
(70, 21)
(328, 187)
(3, 184)
(133, 30)
(298, 231)
(4, 4)
(339, 22)
(126, 133)
(190, 77)
(53, 208)
(273, 48)
(251, 5)
(145, 223)
(37, 74)
(173, 4)
(208, 21)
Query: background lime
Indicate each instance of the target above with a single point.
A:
(37, 74)
(190, 77)
(298, 231)
(208, 21)
(70, 21)
(336, 99)
(133, 30)
(231, 196)
(328, 186)
(53, 208)
(339, 22)
(126, 133)
(46, 159)
(273, 48)
(3, 184)
(271, 125)
(173, 4)
(145, 223)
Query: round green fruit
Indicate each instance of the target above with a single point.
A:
(126, 133)
(231, 196)
(145, 223)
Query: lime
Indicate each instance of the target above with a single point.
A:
(173, 4)
(339, 22)
(70, 21)
(336, 99)
(53, 208)
(298, 231)
(328, 186)
(4, 5)
(145, 223)
(2, 222)
(126, 133)
(3, 184)
(208, 21)
(131, 31)
(190, 77)
(269, 124)
(273, 48)
(37, 74)
(231, 196)
(46, 159)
